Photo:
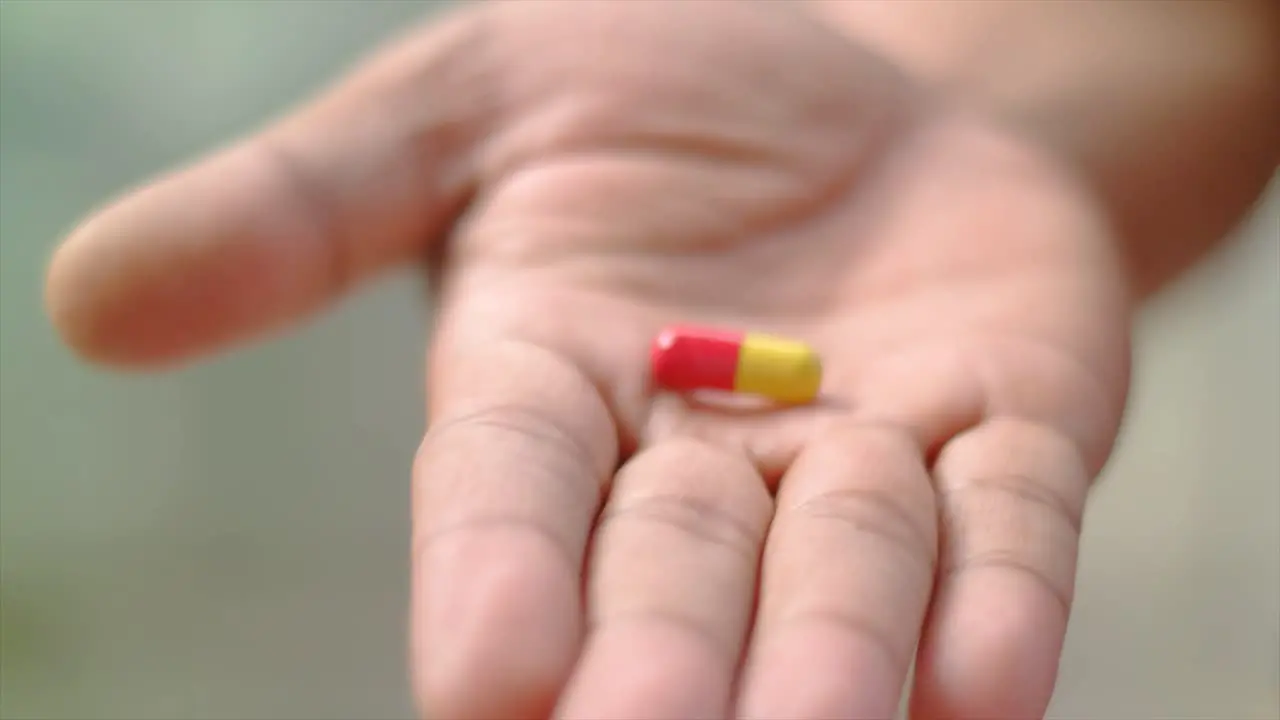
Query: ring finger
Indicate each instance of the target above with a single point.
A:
(846, 579)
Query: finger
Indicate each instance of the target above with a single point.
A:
(269, 229)
(507, 484)
(846, 579)
(1011, 496)
(671, 586)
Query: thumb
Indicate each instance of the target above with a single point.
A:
(364, 177)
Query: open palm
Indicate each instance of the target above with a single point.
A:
(583, 174)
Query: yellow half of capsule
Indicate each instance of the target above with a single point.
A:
(784, 370)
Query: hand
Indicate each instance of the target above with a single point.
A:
(582, 174)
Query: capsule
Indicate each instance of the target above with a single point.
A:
(685, 359)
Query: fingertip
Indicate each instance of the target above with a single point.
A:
(992, 654)
(490, 686)
(80, 306)
(492, 637)
(190, 262)
(267, 230)
(105, 292)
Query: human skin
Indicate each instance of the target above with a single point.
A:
(959, 205)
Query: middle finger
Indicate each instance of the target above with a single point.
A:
(672, 583)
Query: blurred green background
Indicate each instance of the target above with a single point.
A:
(230, 540)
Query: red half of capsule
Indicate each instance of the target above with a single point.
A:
(685, 359)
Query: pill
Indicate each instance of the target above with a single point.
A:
(686, 359)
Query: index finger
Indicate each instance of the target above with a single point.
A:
(507, 485)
